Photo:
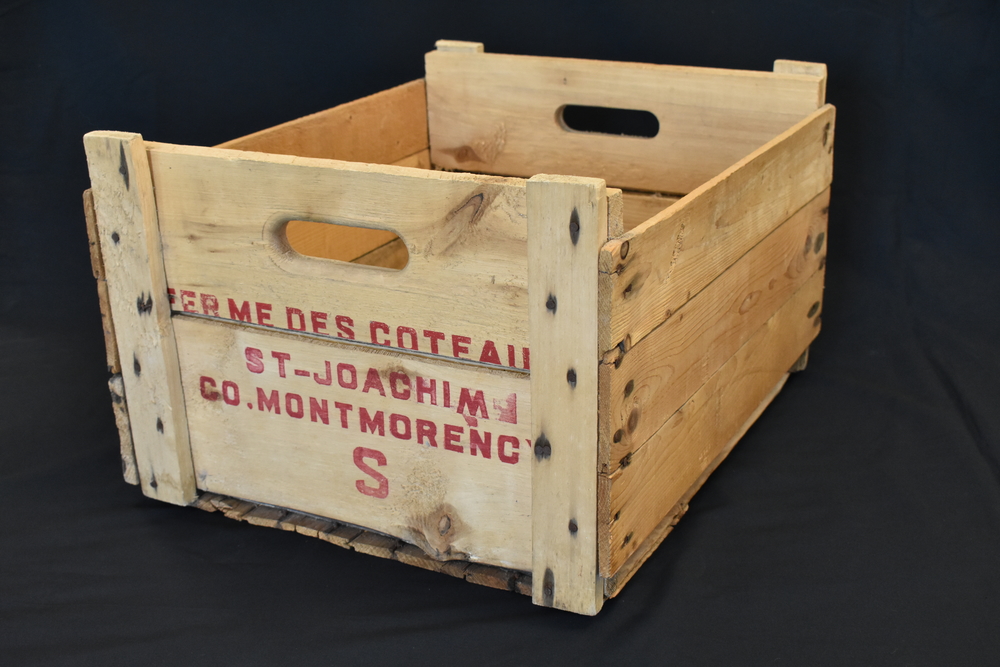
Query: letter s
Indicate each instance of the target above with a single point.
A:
(254, 357)
(362, 453)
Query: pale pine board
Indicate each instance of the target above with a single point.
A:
(221, 214)
(652, 270)
(450, 503)
(381, 128)
(498, 114)
(658, 375)
(567, 224)
(670, 462)
(133, 267)
(614, 584)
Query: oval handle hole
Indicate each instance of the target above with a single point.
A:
(358, 245)
(608, 120)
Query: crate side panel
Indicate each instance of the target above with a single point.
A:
(675, 254)
(383, 128)
(499, 114)
(463, 293)
(434, 453)
(656, 376)
(661, 470)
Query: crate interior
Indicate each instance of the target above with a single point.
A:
(655, 132)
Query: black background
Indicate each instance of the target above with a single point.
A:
(858, 522)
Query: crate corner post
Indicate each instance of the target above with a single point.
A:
(567, 225)
(130, 247)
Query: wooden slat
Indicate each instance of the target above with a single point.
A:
(97, 267)
(614, 584)
(669, 463)
(499, 114)
(120, 407)
(652, 270)
(221, 213)
(117, 388)
(130, 248)
(382, 128)
(641, 206)
(567, 224)
(650, 382)
(817, 70)
(347, 244)
(297, 453)
(363, 541)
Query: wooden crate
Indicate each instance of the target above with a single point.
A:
(485, 369)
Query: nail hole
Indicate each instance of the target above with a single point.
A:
(543, 448)
(136, 367)
(550, 303)
(115, 237)
(574, 226)
(571, 378)
(159, 425)
(572, 526)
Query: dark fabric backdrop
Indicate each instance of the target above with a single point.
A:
(858, 522)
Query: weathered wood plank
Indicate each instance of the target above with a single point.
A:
(383, 128)
(433, 453)
(641, 206)
(120, 407)
(130, 249)
(655, 377)
(614, 584)
(817, 70)
(671, 461)
(652, 270)
(500, 114)
(567, 224)
(103, 298)
(463, 292)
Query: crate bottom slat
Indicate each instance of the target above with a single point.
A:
(363, 541)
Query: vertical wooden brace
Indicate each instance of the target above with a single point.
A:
(567, 224)
(137, 289)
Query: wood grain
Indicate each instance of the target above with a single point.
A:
(383, 128)
(652, 270)
(276, 434)
(656, 376)
(567, 224)
(221, 215)
(130, 249)
(671, 461)
(363, 541)
(614, 584)
(499, 114)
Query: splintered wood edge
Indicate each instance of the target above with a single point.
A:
(364, 541)
(614, 584)
(115, 384)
